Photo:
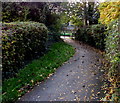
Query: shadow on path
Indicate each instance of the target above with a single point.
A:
(79, 79)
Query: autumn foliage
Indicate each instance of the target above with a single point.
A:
(109, 15)
(109, 11)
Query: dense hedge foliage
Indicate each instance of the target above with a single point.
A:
(21, 41)
(93, 35)
(107, 39)
(109, 15)
(24, 11)
(42, 12)
(113, 56)
(36, 71)
(112, 44)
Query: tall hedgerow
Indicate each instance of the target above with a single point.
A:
(109, 15)
(21, 41)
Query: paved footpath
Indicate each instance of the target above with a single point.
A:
(78, 79)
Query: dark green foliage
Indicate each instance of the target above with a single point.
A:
(113, 57)
(53, 22)
(32, 11)
(12, 11)
(21, 41)
(54, 25)
(36, 71)
(24, 11)
(93, 35)
(112, 47)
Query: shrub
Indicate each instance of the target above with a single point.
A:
(93, 35)
(35, 72)
(54, 25)
(98, 34)
(112, 44)
(109, 15)
(113, 56)
(21, 41)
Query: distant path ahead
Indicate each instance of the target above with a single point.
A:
(79, 79)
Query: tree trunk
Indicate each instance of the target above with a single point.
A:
(90, 12)
(85, 15)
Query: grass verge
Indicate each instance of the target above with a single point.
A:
(65, 34)
(36, 71)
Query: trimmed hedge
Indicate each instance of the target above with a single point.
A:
(112, 46)
(113, 56)
(21, 41)
(93, 35)
(36, 71)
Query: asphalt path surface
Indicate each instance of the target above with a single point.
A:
(78, 79)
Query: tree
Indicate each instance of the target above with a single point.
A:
(90, 12)
(47, 13)
(81, 13)
(109, 11)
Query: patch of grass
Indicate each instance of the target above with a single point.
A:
(65, 34)
(36, 71)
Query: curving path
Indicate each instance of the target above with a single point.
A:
(79, 79)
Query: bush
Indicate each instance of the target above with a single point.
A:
(54, 25)
(112, 44)
(98, 34)
(35, 72)
(110, 15)
(113, 56)
(93, 35)
(21, 41)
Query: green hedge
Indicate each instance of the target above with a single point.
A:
(112, 46)
(93, 35)
(21, 41)
(35, 72)
(113, 56)
(108, 40)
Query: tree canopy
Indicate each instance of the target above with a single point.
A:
(109, 11)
